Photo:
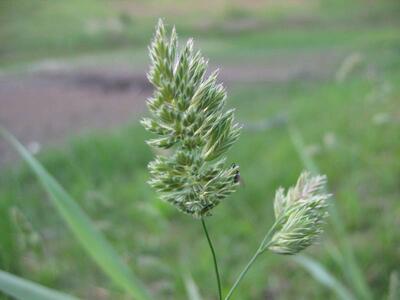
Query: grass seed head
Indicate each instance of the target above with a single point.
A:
(300, 214)
(187, 114)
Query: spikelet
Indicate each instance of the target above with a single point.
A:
(300, 214)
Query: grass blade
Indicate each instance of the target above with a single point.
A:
(192, 289)
(349, 267)
(80, 225)
(394, 286)
(23, 289)
(321, 275)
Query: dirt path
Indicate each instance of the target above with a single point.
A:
(47, 105)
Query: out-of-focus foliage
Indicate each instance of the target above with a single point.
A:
(81, 227)
(23, 289)
(350, 128)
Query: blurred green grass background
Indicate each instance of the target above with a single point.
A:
(349, 117)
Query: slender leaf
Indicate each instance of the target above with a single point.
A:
(81, 226)
(394, 286)
(321, 275)
(23, 289)
(192, 289)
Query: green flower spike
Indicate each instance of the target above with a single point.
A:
(300, 214)
(189, 118)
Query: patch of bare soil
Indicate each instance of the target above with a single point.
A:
(48, 106)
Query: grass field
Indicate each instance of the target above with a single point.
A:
(349, 117)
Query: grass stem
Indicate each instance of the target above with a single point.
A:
(214, 258)
(263, 246)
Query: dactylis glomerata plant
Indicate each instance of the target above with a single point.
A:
(189, 117)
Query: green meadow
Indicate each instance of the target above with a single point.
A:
(344, 100)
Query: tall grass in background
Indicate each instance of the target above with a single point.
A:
(24, 289)
(347, 261)
(82, 228)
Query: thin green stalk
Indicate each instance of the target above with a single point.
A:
(243, 273)
(214, 259)
(263, 246)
